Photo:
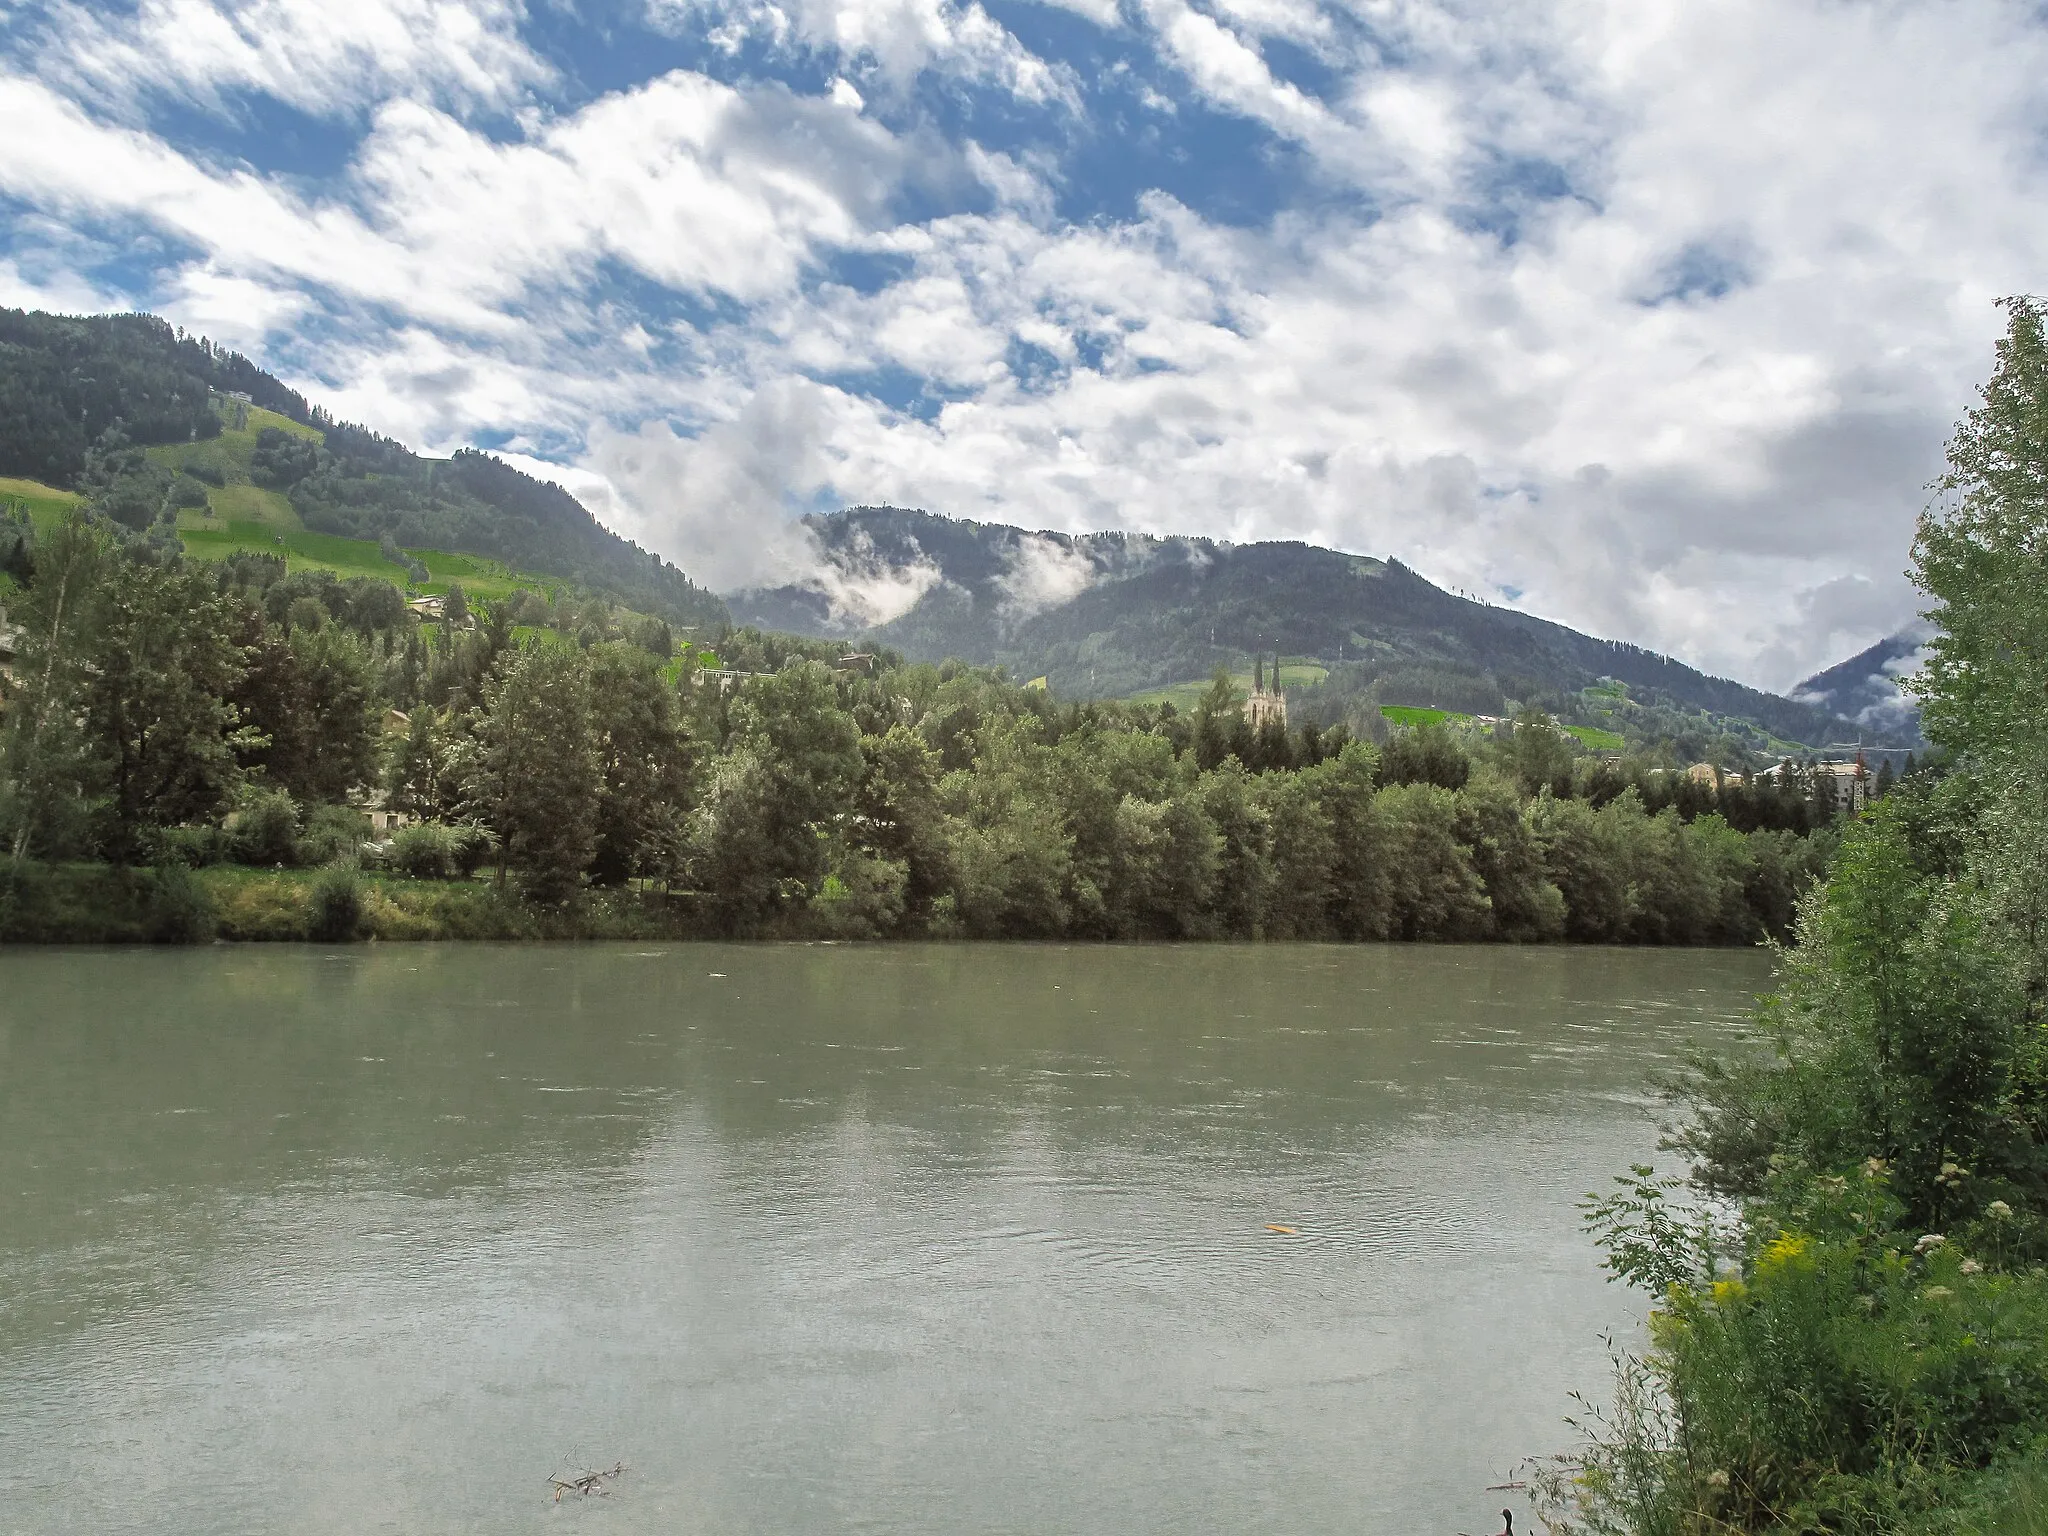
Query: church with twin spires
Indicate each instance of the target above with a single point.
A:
(1265, 706)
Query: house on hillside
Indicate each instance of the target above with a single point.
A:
(433, 609)
(1708, 773)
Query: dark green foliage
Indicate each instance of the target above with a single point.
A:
(158, 663)
(1433, 889)
(431, 850)
(63, 382)
(282, 459)
(264, 828)
(337, 908)
(1523, 903)
(540, 772)
(17, 543)
(332, 832)
(120, 482)
(1427, 755)
(795, 759)
(192, 847)
(425, 850)
(901, 818)
(644, 763)
(310, 693)
(180, 910)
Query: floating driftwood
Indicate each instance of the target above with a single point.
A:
(587, 1484)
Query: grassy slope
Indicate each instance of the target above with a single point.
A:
(242, 515)
(45, 503)
(228, 457)
(1185, 696)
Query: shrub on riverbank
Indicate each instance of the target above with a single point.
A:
(335, 901)
(1828, 1369)
(96, 904)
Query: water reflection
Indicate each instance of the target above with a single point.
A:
(945, 1238)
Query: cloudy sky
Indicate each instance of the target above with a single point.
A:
(1647, 315)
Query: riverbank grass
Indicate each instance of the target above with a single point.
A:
(99, 904)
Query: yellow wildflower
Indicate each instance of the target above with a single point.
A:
(1788, 1248)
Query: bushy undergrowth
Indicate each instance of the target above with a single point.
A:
(432, 850)
(337, 902)
(181, 910)
(95, 904)
(1827, 1368)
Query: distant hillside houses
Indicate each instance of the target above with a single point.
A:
(1850, 783)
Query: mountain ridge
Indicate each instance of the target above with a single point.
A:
(1866, 687)
(1111, 614)
(80, 394)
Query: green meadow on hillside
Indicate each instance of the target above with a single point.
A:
(1413, 716)
(1185, 696)
(1597, 739)
(247, 518)
(241, 516)
(1591, 737)
(1307, 674)
(45, 503)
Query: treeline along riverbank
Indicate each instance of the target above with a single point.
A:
(564, 767)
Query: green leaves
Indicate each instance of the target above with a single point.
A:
(1649, 1243)
(538, 781)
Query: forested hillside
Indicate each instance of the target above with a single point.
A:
(1865, 688)
(82, 399)
(1110, 615)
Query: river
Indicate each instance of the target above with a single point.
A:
(954, 1239)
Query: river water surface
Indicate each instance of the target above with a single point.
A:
(949, 1239)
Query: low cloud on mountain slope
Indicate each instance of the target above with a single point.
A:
(1646, 317)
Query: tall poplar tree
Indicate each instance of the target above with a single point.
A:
(541, 773)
